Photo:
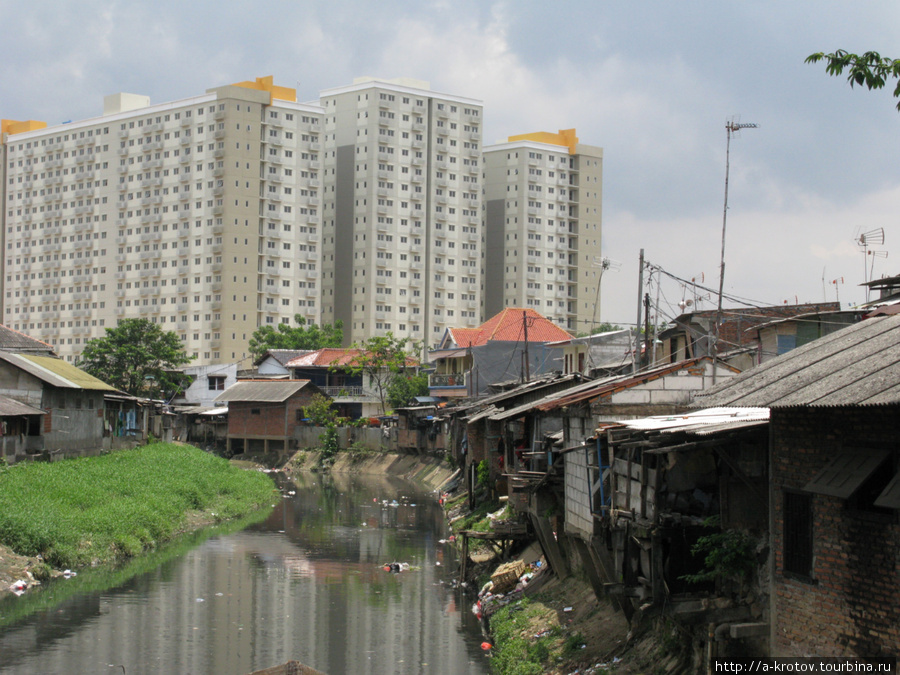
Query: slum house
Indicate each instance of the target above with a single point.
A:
(598, 355)
(265, 416)
(73, 423)
(667, 389)
(16, 422)
(330, 369)
(205, 427)
(420, 429)
(204, 383)
(510, 345)
(477, 439)
(691, 334)
(834, 490)
(778, 337)
(273, 364)
(670, 481)
(565, 444)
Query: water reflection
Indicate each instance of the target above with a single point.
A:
(305, 584)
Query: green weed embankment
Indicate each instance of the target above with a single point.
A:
(105, 509)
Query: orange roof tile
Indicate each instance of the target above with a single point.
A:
(508, 326)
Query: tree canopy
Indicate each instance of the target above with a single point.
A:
(384, 358)
(138, 357)
(301, 336)
(870, 69)
(404, 388)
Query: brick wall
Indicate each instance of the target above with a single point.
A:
(270, 422)
(851, 606)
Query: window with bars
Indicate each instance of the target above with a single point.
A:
(798, 551)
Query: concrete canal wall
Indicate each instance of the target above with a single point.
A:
(429, 471)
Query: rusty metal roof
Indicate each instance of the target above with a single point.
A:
(858, 365)
(263, 391)
(56, 372)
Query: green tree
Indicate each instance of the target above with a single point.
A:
(138, 357)
(321, 413)
(403, 388)
(383, 358)
(870, 69)
(301, 336)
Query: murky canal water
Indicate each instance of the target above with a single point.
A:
(307, 583)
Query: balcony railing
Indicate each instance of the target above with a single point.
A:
(343, 392)
(447, 380)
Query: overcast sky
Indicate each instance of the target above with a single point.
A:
(652, 83)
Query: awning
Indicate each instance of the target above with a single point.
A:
(844, 474)
(890, 498)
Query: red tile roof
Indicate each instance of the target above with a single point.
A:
(508, 326)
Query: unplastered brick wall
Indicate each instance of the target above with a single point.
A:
(273, 419)
(851, 605)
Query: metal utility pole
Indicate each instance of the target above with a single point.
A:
(636, 358)
(527, 369)
(647, 361)
(731, 127)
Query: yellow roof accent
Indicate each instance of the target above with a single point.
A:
(565, 137)
(267, 84)
(16, 127)
(68, 372)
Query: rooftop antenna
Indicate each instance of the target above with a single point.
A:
(732, 127)
(837, 294)
(865, 240)
(604, 263)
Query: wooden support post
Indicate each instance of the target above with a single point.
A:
(550, 546)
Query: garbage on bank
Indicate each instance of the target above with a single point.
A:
(507, 583)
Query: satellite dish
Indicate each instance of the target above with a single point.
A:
(688, 302)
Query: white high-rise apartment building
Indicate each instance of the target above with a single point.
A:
(402, 218)
(543, 211)
(202, 215)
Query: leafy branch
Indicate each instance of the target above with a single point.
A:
(869, 69)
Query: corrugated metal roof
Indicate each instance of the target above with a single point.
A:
(14, 341)
(267, 391)
(713, 419)
(857, 365)
(10, 407)
(56, 372)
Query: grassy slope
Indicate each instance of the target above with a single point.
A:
(102, 509)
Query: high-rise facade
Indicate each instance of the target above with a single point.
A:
(543, 213)
(402, 212)
(202, 215)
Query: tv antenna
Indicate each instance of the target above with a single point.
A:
(865, 241)
(732, 127)
(604, 263)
